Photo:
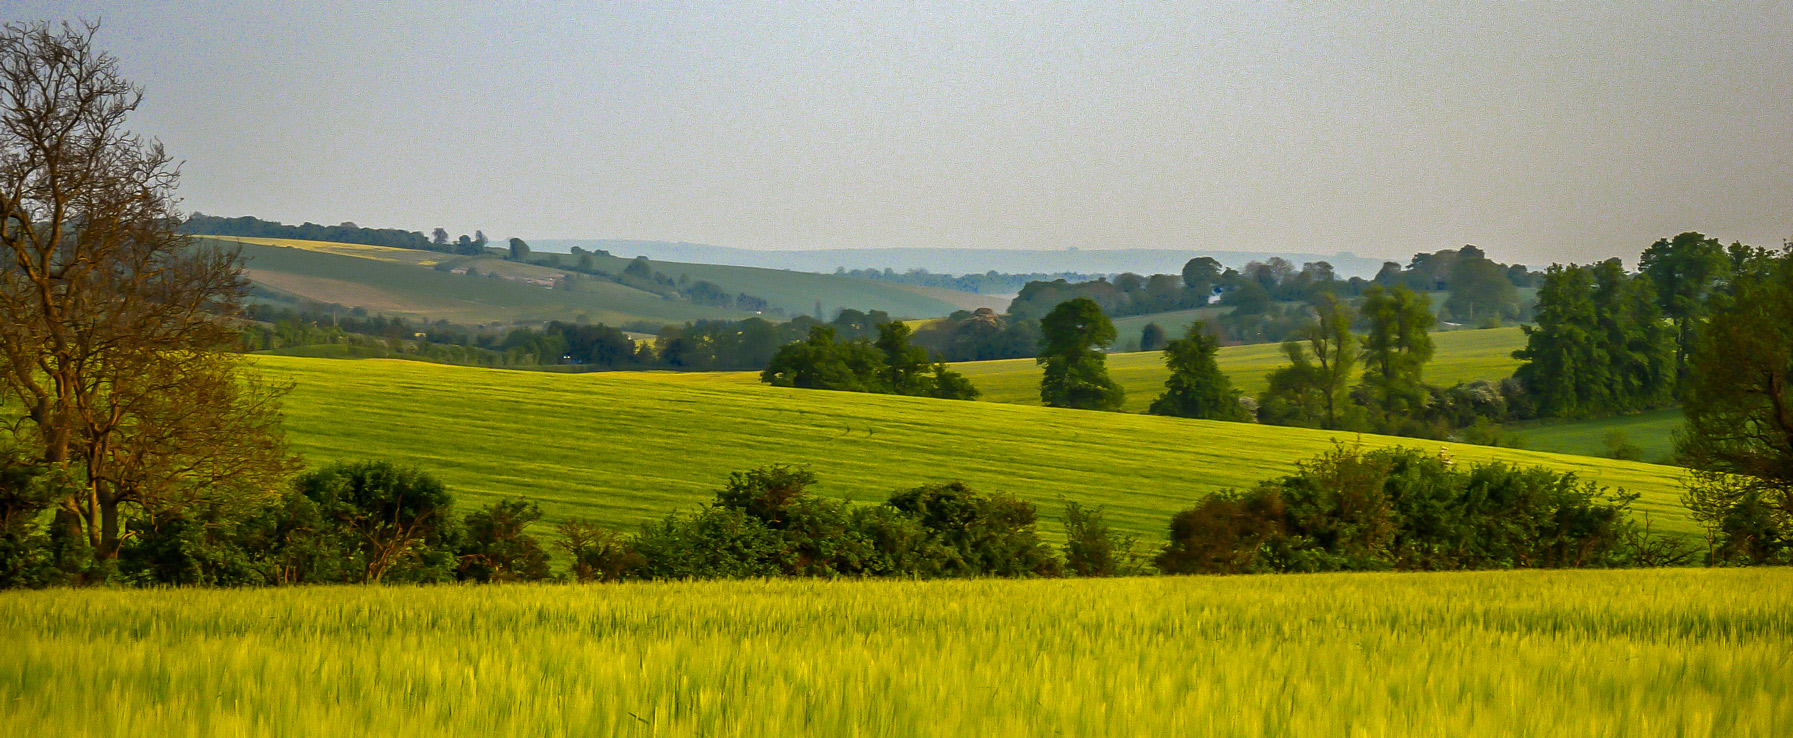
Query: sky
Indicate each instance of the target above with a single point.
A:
(1541, 133)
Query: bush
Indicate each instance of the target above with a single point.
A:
(1403, 509)
(1092, 549)
(496, 547)
(978, 535)
(598, 554)
(393, 521)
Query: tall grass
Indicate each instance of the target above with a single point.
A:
(1632, 653)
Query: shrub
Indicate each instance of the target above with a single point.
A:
(978, 535)
(496, 547)
(396, 521)
(1092, 549)
(598, 554)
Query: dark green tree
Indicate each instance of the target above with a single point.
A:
(1738, 402)
(1685, 270)
(1152, 337)
(1076, 371)
(1196, 387)
(395, 518)
(1396, 349)
(1565, 369)
(519, 249)
(1480, 289)
(1638, 344)
(495, 545)
(906, 367)
(822, 362)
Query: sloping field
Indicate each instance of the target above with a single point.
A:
(1652, 432)
(401, 282)
(1461, 356)
(1687, 652)
(393, 287)
(622, 447)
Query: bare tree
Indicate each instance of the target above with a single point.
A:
(111, 323)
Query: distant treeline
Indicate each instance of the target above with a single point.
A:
(989, 283)
(200, 224)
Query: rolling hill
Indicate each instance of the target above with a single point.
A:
(623, 447)
(413, 284)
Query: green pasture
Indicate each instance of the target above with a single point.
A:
(1689, 652)
(1652, 432)
(1461, 356)
(621, 447)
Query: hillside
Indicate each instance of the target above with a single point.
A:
(1461, 356)
(622, 447)
(408, 283)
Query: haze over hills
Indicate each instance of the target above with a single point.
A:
(956, 260)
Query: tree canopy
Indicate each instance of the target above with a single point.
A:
(1076, 371)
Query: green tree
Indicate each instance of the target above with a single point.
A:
(1315, 390)
(1200, 274)
(1480, 289)
(1565, 369)
(1685, 270)
(1076, 371)
(906, 367)
(1396, 349)
(496, 546)
(1196, 387)
(1738, 402)
(822, 362)
(1638, 344)
(519, 249)
(395, 518)
(1152, 337)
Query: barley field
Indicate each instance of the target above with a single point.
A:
(1536, 653)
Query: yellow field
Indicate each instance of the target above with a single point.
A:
(1535, 653)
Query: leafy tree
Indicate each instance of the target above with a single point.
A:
(519, 250)
(1638, 344)
(1396, 349)
(598, 554)
(1565, 368)
(907, 371)
(1196, 387)
(1738, 403)
(978, 535)
(114, 328)
(1076, 371)
(1152, 338)
(821, 362)
(1314, 391)
(439, 238)
(1686, 271)
(1201, 273)
(495, 545)
(1480, 289)
(395, 518)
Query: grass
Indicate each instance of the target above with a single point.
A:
(622, 447)
(1652, 432)
(400, 282)
(1537, 653)
(1461, 356)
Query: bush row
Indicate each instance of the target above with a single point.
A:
(1347, 510)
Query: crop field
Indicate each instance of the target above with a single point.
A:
(1652, 432)
(1461, 356)
(1534, 653)
(400, 282)
(621, 447)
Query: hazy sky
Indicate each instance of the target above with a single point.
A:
(1538, 132)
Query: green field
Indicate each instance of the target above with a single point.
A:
(1536, 653)
(1653, 432)
(621, 447)
(402, 282)
(1461, 356)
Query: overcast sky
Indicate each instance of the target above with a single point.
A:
(1539, 132)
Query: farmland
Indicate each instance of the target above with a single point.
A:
(1652, 432)
(1462, 356)
(1597, 653)
(406, 283)
(621, 447)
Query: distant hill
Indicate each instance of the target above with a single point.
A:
(429, 285)
(958, 261)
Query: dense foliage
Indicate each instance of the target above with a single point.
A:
(1196, 387)
(200, 224)
(1401, 509)
(889, 365)
(1076, 370)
